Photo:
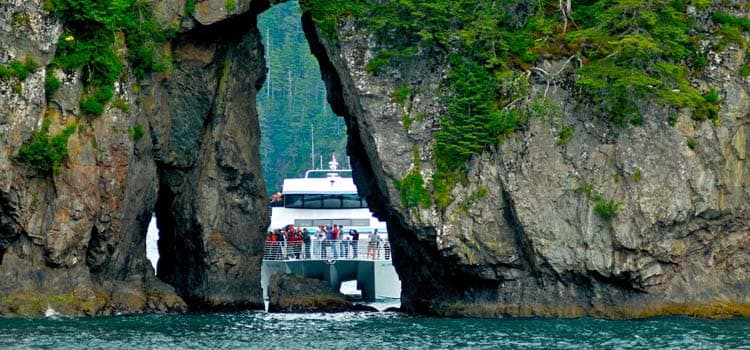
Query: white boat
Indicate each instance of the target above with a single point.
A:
(326, 198)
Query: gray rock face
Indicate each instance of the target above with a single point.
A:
(212, 198)
(294, 293)
(532, 244)
(75, 241)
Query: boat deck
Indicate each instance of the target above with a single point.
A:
(336, 262)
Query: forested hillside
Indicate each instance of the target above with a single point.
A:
(292, 103)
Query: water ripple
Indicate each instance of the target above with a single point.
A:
(367, 330)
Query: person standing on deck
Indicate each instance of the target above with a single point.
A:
(325, 236)
(373, 248)
(334, 234)
(355, 242)
(306, 240)
(343, 244)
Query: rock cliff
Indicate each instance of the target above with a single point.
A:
(522, 236)
(182, 144)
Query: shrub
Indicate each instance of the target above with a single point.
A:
(51, 84)
(18, 69)
(585, 189)
(229, 5)
(189, 7)
(121, 104)
(564, 135)
(607, 209)
(137, 132)
(400, 95)
(375, 65)
(90, 42)
(745, 70)
(45, 153)
(91, 107)
(406, 120)
(412, 190)
(712, 96)
(672, 120)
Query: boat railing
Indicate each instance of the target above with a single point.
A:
(327, 250)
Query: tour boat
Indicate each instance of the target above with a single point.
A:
(324, 197)
(327, 197)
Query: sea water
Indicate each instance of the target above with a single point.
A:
(367, 330)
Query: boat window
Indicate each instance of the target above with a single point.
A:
(351, 201)
(332, 201)
(324, 201)
(313, 201)
(293, 200)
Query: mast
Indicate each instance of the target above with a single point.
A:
(312, 145)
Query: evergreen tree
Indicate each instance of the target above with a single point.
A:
(292, 104)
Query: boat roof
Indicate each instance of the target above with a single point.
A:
(325, 185)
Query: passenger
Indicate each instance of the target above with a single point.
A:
(355, 242)
(298, 244)
(275, 200)
(325, 243)
(334, 237)
(276, 247)
(344, 243)
(373, 247)
(387, 249)
(318, 245)
(295, 242)
(306, 241)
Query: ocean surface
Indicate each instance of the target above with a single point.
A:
(361, 331)
(259, 330)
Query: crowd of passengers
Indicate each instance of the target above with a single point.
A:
(328, 242)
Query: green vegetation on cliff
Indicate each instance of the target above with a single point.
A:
(620, 54)
(95, 34)
(18, 69)
(44, 153)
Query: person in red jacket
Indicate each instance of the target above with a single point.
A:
(334, 239)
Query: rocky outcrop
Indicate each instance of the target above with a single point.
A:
(521, 237)
(212, 208)
(75, 240)
(294, 293)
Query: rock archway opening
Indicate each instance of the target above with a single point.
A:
(243, 108)
(152, 241)
(304, 119)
